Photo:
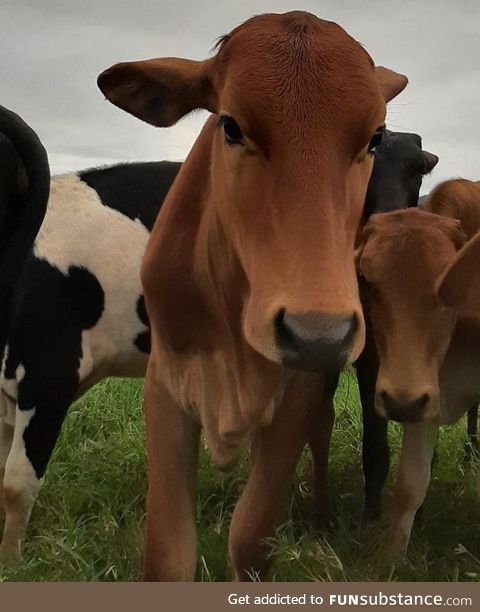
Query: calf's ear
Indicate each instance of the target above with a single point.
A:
(159, 91)
(391, 83)
(459, 286)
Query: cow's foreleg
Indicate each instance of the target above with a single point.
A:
(172, 447)
(6, 438)
(412, 481)
(20, 488)
(276, 451)
(319, 435)
(375, 450)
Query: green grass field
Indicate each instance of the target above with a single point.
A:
(87, 523)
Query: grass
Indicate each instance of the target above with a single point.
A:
(87, 523)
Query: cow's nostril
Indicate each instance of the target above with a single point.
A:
(282, 331)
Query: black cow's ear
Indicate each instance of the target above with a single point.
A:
(430, 160)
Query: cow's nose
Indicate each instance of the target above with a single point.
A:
(313, 341)
(404, 409)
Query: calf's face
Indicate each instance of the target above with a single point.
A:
(403, 256)
(299, 108)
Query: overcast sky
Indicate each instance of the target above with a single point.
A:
(51, 52)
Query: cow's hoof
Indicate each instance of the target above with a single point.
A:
(9, 556)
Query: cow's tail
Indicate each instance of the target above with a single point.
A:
(18, 240)
(34, 160)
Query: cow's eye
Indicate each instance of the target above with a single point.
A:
(233, 134)
(376, 139)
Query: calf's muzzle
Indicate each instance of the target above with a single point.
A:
(402, 408)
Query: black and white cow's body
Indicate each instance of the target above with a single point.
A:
(83, 317)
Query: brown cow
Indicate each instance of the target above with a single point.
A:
(249, 271)
(429, 358)
(460, 199)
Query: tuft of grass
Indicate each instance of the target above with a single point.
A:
(88, 521)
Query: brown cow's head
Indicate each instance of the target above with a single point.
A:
(299, 108)
(403, 256)
(457, 199)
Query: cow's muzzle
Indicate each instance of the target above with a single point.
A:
(403, 409)
(313, 341)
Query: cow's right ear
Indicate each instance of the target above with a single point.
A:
(160, 91)
(459, 286)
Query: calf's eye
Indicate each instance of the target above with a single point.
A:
(376, 139)
(232, 132)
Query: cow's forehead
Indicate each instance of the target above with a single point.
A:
(299, 72)
(285, 53)
(409, 227)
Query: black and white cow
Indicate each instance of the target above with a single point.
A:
(83, 317)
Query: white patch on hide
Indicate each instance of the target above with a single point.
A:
(79, 230)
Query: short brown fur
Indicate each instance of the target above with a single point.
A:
(248, 232)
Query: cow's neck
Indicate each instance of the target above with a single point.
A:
(460, 372)
(200, 289)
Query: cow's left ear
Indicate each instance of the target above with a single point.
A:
(391, 83)
(459, 286)
(430, 160)
(160, 91)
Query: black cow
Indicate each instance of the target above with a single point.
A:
(83, 317)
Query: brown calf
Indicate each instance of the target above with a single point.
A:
(429, 358)
(250, 265)
(460, 199)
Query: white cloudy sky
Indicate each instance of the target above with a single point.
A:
(51, 52)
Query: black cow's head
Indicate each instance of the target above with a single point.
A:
(400, 164)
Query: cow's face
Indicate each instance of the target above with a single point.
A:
(299, 110)
(403, 256)
(399, 167)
